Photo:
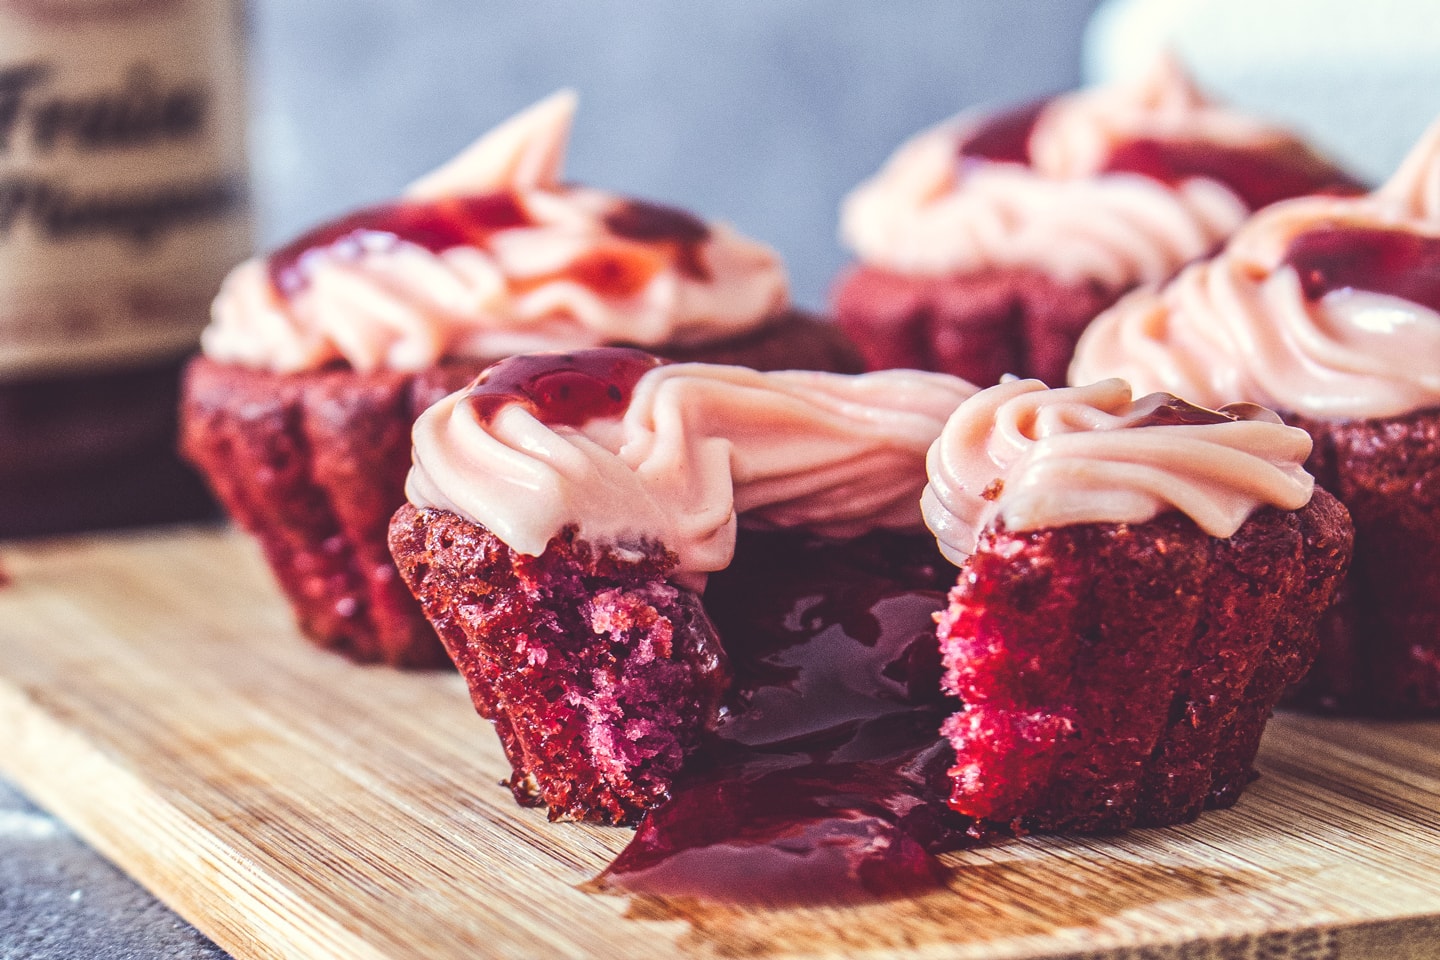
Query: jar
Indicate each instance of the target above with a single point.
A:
(123, 201)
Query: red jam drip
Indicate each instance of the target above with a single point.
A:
(1003, 137)
(647, 222)
(1166, 410)
(1393, 262)
(825, 781)
(436, 226)
(1260, 176)
(562, 389)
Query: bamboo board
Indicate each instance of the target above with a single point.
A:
(154, 694)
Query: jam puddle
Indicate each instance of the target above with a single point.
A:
(825, 781)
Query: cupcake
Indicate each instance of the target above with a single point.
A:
(320, 356)
(987, 243)
(567, 511)
(1328, 311)
(1139, 580)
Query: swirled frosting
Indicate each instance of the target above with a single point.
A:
(491, 255)
(1116, 185)
(693, 447)
(1039, 458)
(1328, 307)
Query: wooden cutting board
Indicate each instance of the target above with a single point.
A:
(154, 694)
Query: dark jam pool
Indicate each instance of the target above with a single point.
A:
(825, 781)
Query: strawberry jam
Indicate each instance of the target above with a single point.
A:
(1260, 176)
(1166, 410)
(1393, 262)
(1003, 137)
(562, 389)
(436, 226)
(825, 780)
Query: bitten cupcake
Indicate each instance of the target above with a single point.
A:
(1328, 310)
(1139, 580)
(568, 510)
(987, 243)
(320, 356)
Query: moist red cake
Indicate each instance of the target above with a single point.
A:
(978, 326)
(321, 355)
(1119, 675)
(598, 675)
(987, 244)
(1387, 472)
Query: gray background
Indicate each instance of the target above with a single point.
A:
(760, 112)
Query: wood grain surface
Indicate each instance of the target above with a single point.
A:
(154, 694)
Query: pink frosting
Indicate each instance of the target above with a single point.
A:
(1240, 326)
(925, 213)
(400, 305)
(698, 446)
(1039, 458)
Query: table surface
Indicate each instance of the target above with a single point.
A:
(60, 900)
(154, 694)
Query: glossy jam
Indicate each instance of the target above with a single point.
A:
(826, 778)
(1394, 262)
(1166, 410)
(562, 389)
(655, 223)
(437, 227)
(1258, 175)
(1003, 137)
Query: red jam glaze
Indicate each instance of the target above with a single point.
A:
(562, 389)
(436, 226)
(1168, 410)
(470, 221)
(1260, 176)
(1394, 262)
(1003, 137)
(825, 780)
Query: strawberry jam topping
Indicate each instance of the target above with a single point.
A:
(825, 780)
(1005, 136)
(1260, 176)
(1393, 262)
(562, 389)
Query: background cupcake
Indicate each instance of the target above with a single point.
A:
(320, 356)
(1328, 310)
(986, 244)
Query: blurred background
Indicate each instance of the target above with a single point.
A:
(764, 112)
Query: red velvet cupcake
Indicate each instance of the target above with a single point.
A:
(1329, 312)
(1138, 583)
(987, 244)
(568, 509)
(321, 355)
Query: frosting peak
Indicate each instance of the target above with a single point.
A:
(681, 454)
(1323, 306)
(526, 152)
(1037, 458)
(492, 255)
(1414, 188)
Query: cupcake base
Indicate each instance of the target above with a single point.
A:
(978, 326)
(599, 676)
(1121, 675)
(1380, 649)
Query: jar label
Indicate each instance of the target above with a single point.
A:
(123, 190)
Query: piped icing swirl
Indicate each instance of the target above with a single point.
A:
(1114, 185)
(1328, 307)
(490, 255)
(631, 452)
(1038, 458)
